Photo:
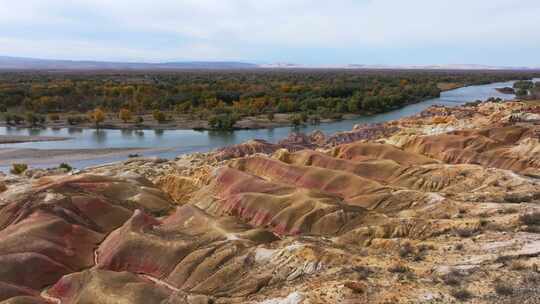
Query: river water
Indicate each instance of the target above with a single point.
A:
(170, 143)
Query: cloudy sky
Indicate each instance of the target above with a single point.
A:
(495, 32)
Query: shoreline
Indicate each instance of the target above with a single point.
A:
(259, 122)
(53, 157)
(248, 123)
(19, 139)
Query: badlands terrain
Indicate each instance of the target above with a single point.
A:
(437, 208)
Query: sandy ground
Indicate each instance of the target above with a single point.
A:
(9, 156)
(16, 139)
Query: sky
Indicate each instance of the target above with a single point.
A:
(316, 32)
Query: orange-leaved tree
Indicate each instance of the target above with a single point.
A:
(125, 115)
(97, 116)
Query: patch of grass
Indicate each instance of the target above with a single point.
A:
(503, 288)
(18, 168)
(461, 294)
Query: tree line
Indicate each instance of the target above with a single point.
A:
(223, 97)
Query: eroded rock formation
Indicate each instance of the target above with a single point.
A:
(436, 208)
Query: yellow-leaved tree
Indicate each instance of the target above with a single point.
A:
(97, 116)
(125, 115)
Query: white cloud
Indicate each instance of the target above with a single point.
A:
(247, 28)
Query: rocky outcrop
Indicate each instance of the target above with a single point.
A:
(495, 147)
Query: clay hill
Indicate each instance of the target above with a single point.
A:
(442, 207)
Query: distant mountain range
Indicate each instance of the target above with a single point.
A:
(19, 63)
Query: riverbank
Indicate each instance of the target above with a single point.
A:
(54, 157)
(182, 122)
(17, 139)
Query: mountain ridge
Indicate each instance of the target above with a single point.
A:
(27, 63)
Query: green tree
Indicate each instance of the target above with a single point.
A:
(224, 121)
(296, 120)
(159, 116)
(32, 119)
(352, 105)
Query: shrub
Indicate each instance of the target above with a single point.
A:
(296, 120)
(54, 117)
(399, 268)
(532, 218)
(31, 118)
(508, 211)
(222, 121)
(461, 294)
(97, 116)
(356, 287)
(125, 115)
(406, 250)
(362, 272)
(315, 120)
(65, 166)
(459, 247)
(483, 222)
(518, 265)
(531, 278)
(159, 116)
(75, 120)
(18, 168)
(465, 232)
(503, 289)
(8, 118)
(13, 118)
(452, 278)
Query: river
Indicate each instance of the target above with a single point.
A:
(170, 143)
